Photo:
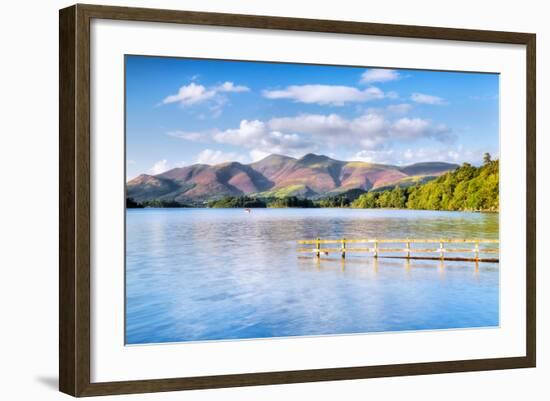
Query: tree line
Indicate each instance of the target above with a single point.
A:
(467, 188)
(156, 203)
(252, 202)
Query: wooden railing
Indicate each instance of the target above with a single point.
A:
(373, 247)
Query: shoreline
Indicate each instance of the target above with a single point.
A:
(297, 207)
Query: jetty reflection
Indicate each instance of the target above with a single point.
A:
(372, 266)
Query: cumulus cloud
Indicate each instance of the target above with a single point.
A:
(258, 137)
(427, 99)
(189, 95)
(246, 133)
(159, 167)
(192, 94)
(295, 136)
(371, 136)
(418, 127)
(210, 156)
(257, 154)
(369, 129)
(162, 165)
(333, 95)
(231, 87)
(319, 124)
(378, 75)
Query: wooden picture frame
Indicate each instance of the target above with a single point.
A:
(74, 199)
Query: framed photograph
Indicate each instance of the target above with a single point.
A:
(250, 200)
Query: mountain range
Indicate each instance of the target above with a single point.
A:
(312, 176)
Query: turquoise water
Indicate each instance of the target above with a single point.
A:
(217, 274)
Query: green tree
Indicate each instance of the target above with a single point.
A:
(366, 201)
(466, 188)
(397, 198)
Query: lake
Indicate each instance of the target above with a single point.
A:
(218, 274)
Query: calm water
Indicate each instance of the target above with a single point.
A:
(211, 274)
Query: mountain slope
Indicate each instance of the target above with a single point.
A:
(276, 176)
(202, 181)
(147, 187)
(274, 166)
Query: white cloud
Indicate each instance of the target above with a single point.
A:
(370, 129)
(193, 93)
(427, 99)
(418, 127)
(334, 95)
(444, 154)
(374, 156)
(190, 94)
(231, 87)
(259, 137)
(455, 154)
(257, 154)
(311, 124)
(374, 133)
(210, 156)
(162, 165)
(248, 132)
(295, 136)
(378, 75)
(159, 167)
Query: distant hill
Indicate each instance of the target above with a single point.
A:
(311, 176)
(427, 168)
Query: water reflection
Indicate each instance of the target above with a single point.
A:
(199, 274)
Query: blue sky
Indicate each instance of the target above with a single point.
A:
(184, 111)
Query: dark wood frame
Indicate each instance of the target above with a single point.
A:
(74, 199)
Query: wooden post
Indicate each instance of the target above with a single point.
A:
(405, 252)
(343, 248)
(318, 247)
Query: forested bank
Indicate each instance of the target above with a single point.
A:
(467, 188)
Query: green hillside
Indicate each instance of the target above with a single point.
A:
(466, 188)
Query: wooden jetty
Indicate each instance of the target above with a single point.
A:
(401, 248)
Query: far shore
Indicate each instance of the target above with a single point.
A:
(344, 208)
